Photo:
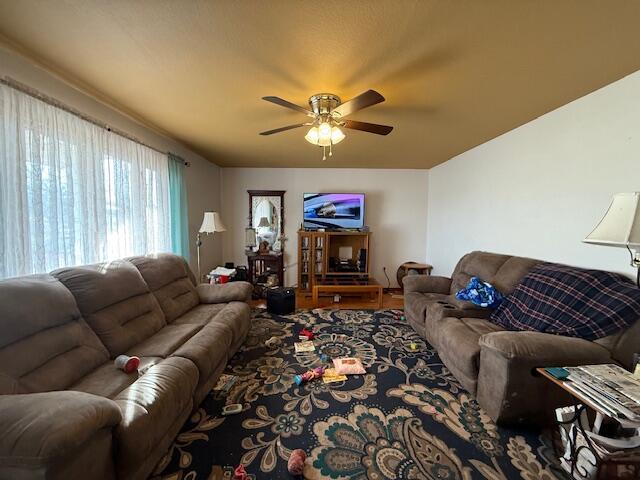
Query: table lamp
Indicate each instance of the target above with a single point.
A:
(620, 227)
(264, 222)
(211, 223)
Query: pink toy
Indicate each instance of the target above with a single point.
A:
(126, 363)
(295, 465)
(309, 375)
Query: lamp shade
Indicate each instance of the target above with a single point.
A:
(211, 223)
(620, 226)
(264, 222)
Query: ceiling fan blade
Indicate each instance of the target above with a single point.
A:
(367, 127)
(282, 129)
(364, 100)
(284, 103)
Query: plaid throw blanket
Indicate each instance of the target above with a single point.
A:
(570, 301)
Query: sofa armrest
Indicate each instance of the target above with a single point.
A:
(40, 428)
(225, 293)
(509, 388)
(544, 349)
(426, 284)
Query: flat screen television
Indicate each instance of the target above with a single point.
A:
(333, 210)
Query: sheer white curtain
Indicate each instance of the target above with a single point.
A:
(73, 193)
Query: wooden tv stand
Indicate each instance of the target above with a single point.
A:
(319, 259)
(347, 286)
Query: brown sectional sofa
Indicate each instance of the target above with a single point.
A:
(495, 365)
(65, 410)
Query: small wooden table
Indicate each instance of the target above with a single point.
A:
(602, 466)
(421, 268)
(346, 286)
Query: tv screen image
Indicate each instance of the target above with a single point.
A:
(333, 210)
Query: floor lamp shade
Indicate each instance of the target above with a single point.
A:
(620, 226)
(212, 223)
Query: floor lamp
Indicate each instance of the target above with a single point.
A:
(211, 223)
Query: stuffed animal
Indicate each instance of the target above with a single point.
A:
(295, 465)
(309, 375)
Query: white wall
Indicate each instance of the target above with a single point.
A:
(395, 210)
(203, 177)
(538, 190)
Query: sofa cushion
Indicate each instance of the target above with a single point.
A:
(165, 342)
(150, 407)
(234, 315)
(208, 350)
(200, 315)
(108, 381)
(115, 301)
(449, 306)
(44, 342)
(170, 280)
(503, 271)
(237, 317)
(416, 305)
(459, 349)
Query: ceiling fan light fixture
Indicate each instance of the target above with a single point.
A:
(324, 132)
(312, 136)
(336, 135)
(328, 112)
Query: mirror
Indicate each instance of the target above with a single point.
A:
(266, 215)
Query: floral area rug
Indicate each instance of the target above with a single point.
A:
(406, 418)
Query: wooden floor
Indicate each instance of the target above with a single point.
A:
(356, 303)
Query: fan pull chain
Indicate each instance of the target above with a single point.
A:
(330, 148)
(324, 154)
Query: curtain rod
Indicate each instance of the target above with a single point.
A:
(32, 92)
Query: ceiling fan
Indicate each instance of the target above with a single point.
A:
(328, 112)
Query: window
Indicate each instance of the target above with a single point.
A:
(74, 193)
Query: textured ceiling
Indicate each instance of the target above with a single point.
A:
(455, 74)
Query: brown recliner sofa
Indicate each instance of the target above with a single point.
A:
(495, 365)
(65, 410)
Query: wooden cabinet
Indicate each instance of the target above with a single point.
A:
(323, 255)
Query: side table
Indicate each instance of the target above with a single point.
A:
(261, 264)
(601, 468)
(403, 271)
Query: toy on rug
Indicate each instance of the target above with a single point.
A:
(295, 465)
(399, 317)
(305, 334)
(273, 342)
(309, 375)
(126, 363)
(240, 473)
(348, 366)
